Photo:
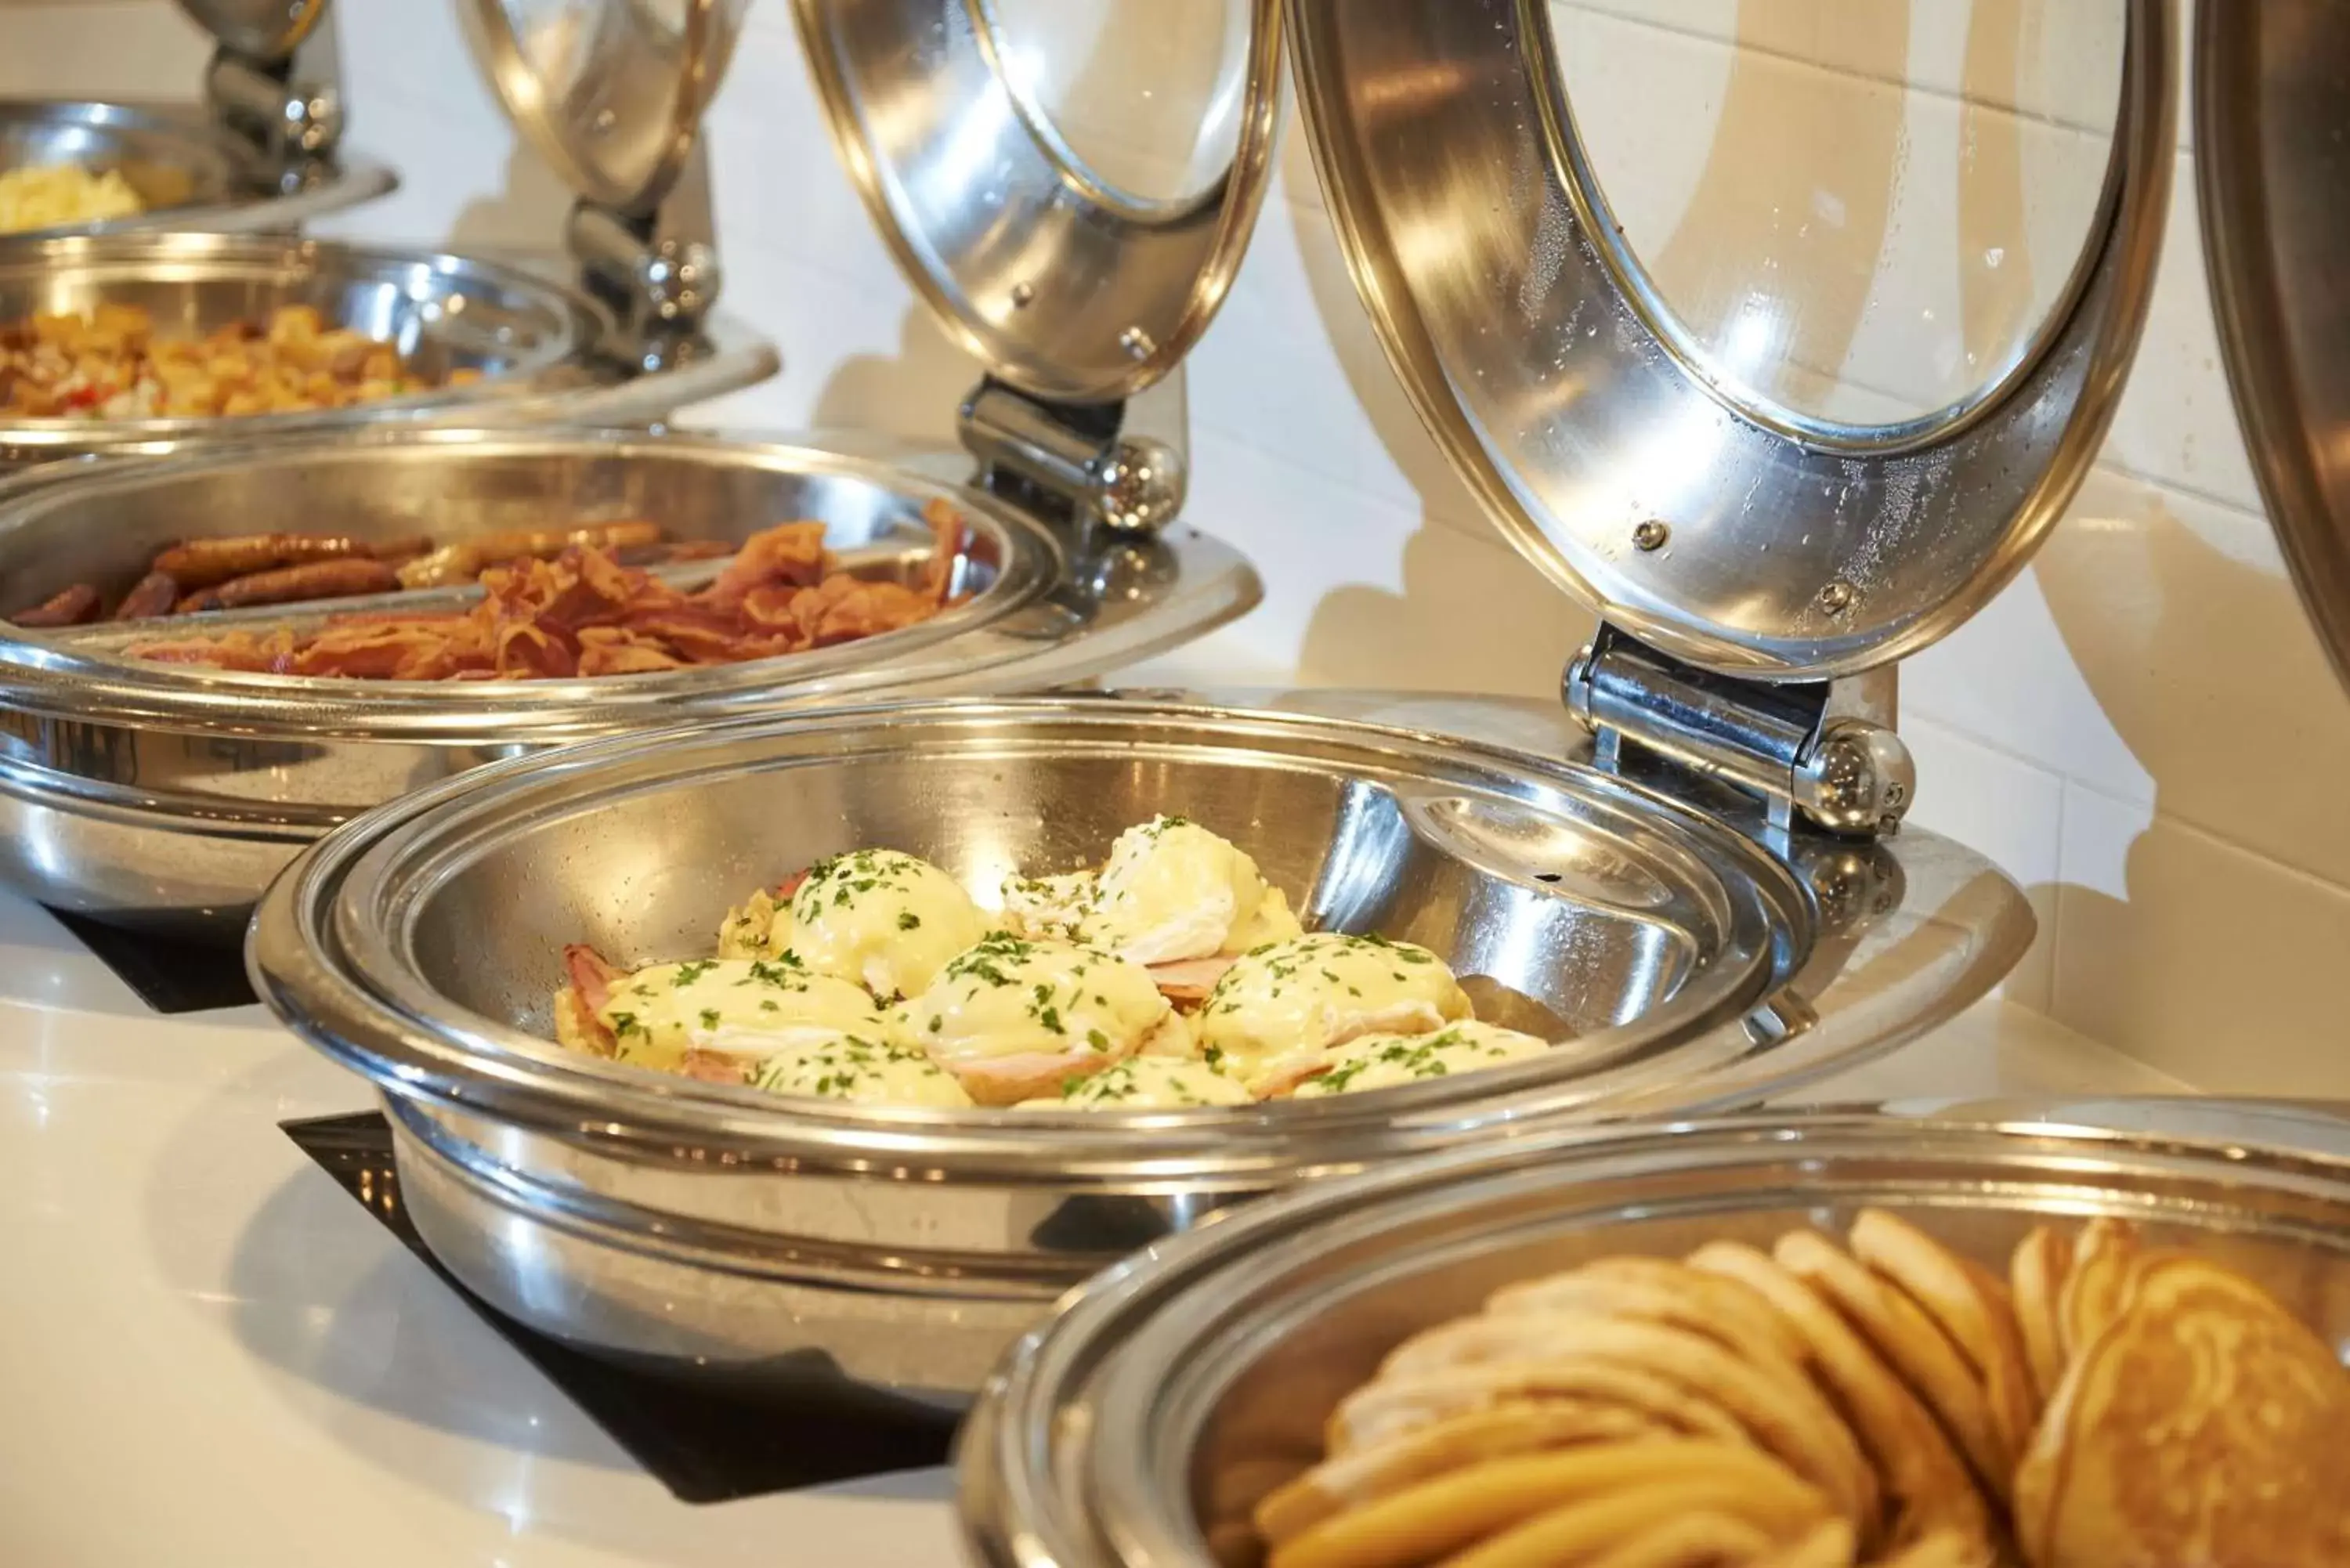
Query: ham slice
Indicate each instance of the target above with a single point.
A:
(590, 975)
(1190, 980)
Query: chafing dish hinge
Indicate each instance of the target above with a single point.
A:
(1120, 464)
(1824, 749)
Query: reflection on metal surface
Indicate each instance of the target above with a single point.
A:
(610, 92)
(1141, 101)
(1474, 233)
(1843, 220)
(1204, 1373)
(171, 795)
(1061, 288)
(397, 947)
(2272, 150)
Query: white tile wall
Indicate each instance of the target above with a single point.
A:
(2141, 729)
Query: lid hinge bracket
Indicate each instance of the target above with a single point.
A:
(1821, 750)
(655, 272)
(1116, 465)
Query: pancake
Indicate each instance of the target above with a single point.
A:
(1909, 1343)
(1353, 1479)
(1659, 1290)
(1927, 1487)
(1575, 1532)
(1971, 1309)
(2036, 1273)
(2203, 1424)
(1773, 1400)
(1387, 1407)
(1704, 1539)
(1943, 1550)
(1487, 1503)
(2097, 1286)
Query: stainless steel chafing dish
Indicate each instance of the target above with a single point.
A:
(620, 327)
(261, 151)
(168, 798)
(148, 794)
(1698, 864)
(1173, 1392)
(718, 1228)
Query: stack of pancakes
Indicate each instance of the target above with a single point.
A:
(1820, 1405)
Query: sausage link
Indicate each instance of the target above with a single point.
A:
(292, 585)
(154, 594)
(68, 607)
(202, 563)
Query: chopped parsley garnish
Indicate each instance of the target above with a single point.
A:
(709, 1018)
(687, 973)
(909, 921)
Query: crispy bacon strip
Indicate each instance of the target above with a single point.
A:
(583, 613)
(463, 562)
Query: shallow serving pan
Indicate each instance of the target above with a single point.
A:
(169, 796)
(1171, 1393)
(539, 344)
(715, 1228)
(192, 172)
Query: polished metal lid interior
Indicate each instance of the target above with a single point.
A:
(1651, 413)
(1070, 186)
(2272, 154)
(611, 93)
(262, 30)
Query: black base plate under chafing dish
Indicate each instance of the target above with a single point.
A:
(704, 1447)
(170, 975)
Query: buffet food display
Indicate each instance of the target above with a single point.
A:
(1173, 977)
(58, 195)
(112, 363)
(551, 604)
(1875, 1399)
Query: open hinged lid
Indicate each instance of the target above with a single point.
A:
(611, 94)
(2271, 110)
(1782, 352)
(1070, 187)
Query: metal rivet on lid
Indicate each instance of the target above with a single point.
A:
(1652, 535)
(1137, 343)
(1836, 598)
(1022, 295)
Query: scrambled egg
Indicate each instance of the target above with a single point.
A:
(887, 922)
(57, 195)
(1282, 1006)
(1171, 890)
(745, 1008)
(1014, 1019)
(1383, 1061)
(1147, 1084)
(851, 1067)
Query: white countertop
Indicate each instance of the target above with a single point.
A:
(208, 1356)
